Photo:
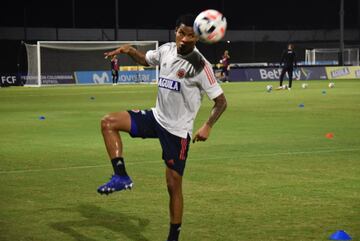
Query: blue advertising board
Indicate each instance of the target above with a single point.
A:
(104, 77)
(270, 73)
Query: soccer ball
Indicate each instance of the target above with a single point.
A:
(331, 85)
(269, 88)
(210, 26)
(304, 85)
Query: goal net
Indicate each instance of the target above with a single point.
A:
(330, 56)
(83, 62)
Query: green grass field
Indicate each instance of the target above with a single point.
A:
(267, 172)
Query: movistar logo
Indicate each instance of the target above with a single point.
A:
(100, 79)
(169, 84)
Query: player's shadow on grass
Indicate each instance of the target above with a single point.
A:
(129, 225)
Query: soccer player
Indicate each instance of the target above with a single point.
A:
(225, 65)
(114, 69)
(288, 57)
(185, 75)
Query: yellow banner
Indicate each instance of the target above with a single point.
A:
(131, 68)
(343, 72)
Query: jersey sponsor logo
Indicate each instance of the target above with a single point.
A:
(180, 73)
(169, 84)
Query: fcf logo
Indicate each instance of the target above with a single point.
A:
(8, 79)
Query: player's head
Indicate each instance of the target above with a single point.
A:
(185, 35)
(290, 46)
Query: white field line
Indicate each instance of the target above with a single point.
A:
(200, 159)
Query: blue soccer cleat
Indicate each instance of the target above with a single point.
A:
(116, 183)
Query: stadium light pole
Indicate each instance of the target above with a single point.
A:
(341, 53)
(25, 22)
(116, 19)
(358, 18)
(73, 14)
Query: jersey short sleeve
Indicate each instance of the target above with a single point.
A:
(208, 82)
(153, 57)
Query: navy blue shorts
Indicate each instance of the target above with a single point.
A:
(174, 148)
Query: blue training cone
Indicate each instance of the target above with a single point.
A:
(42, 117)
(340, 235)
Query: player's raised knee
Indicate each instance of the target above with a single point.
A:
(116, 121)
(106, 122)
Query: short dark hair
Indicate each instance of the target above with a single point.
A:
(186, 19)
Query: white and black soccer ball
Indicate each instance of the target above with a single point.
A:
(331, 85)
(269, 88)
(210, 25)
(304, 85)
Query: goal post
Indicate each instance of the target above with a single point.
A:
(83, 62)
(330, 56)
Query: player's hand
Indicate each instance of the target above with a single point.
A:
(108, 54)
(203, 133)
(122, 50)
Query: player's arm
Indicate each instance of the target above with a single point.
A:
(219, 107)
(136, 55)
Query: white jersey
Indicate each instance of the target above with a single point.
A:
(182, 81)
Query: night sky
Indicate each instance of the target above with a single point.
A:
(252, 14)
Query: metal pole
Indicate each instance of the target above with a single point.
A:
(73, 14)
(116, 19)
(25, 22)
(253, 45)
(341, 54)
(358, 10)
